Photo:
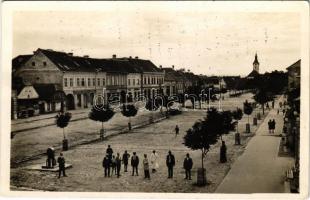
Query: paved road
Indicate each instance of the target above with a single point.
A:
(259, 169)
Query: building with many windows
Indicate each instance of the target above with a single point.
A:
(76, 82)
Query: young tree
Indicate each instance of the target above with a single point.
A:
(237, 115)
(247, 109)
(129, 111)
(101, 113)
(201, 136)
(62, 121)
(262, 96)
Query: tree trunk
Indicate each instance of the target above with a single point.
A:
(63, 131)
(202, 155)
(263, 109)
(237, 126)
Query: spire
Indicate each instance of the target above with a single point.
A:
(256, 60)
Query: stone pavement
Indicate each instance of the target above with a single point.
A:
(259, 169)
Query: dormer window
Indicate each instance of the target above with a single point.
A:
(44, 63)
(33, 64)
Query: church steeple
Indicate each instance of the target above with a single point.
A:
(256, 64)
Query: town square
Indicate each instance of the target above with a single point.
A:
(163, 99)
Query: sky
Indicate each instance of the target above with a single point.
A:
(204, 42)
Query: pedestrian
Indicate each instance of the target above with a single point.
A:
(109, 151)
(170, 162)
(273, 125)
(134, 164)
(272, 104)
(278, 111)
(125, 160)
(146, 167)
(187, 165)
(177, 130)
(269, 125)
(154, 161)
(62, 165)
(223, 149)
(267, 106)
(237, 139)
(118, 163)
(113, 165)
(51, 161)
(106, 165)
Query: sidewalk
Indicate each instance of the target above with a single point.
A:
(259, 169)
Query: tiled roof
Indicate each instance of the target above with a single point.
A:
(66, 62)
(253, 74)
(172, 75)
(19, 61)
(296, 64)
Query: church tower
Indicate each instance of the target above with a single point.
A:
(256, 64)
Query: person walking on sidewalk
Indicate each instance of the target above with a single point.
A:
(273, 125)
(134, 164)
(170, 162)
(118, 163)
(125, 160)
(187, 165)
(223, 150)
(62, 165)
(146, 167)
(270, 126)
(176, 130)
(154, 161)
(106, 165)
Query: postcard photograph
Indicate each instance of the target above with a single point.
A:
(199, 98)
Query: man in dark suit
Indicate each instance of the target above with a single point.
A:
(134, 163)
(170, 162)
(61, 162)
(187, 165)
(106, 165)
(109, 151)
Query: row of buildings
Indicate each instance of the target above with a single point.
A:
(48, 80)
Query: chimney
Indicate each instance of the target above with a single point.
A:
(114, 56)
(172, 66)
(130, 57)
(136, 57)
(86, 56)
(70, 54)
(160, 66)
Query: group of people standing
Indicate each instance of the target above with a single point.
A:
(111, 162)
(271, 125)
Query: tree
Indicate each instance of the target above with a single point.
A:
(129, 111)
(247, 109)
(62, 121)
(201, 136)
(262, 96)
(101, 113)
(196, 92)
(237, 115)
(227, 122)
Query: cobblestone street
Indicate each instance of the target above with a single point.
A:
(87, 172)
